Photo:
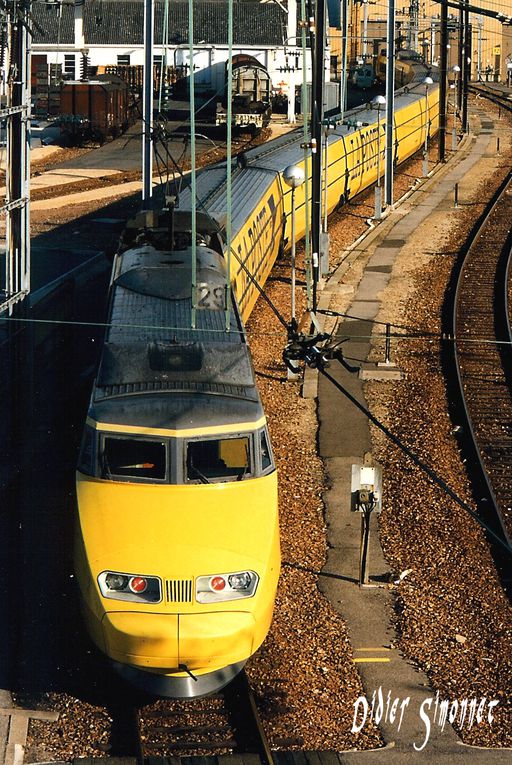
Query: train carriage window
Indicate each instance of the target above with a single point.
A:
(227, 459)
(133, 458)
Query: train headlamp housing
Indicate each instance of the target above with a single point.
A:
(135, 588)
(221, 587)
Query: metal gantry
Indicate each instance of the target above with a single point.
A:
(15, 114)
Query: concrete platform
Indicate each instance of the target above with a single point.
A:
(368, 610)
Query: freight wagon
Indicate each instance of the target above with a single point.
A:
(94, 110)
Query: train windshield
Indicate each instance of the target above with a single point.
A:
(133, 458)
(226, 459)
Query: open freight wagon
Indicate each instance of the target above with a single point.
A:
(94, 110)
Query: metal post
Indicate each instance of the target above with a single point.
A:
(365, 30)
(193, 176)
(456, 195)
(364, 558)
(479, 49)
(293, 254)
(466, 69)
(326, 149)
(427, 81)
(344, 35)
(17, 236)
(456, 72)
(442, 80)
(305, 131)
(388, 344)
(317, 117)
(291, 33)
(390, 96)
(147, 105)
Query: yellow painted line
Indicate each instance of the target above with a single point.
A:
(372, 649)
(185, 433)
(372, 660)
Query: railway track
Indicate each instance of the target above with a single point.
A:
(224, 723)
(497, 94)
(482, 354)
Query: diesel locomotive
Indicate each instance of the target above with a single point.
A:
(177, 540)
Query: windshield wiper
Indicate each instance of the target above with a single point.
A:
(105, 466)
(198, 473)
(242, 473)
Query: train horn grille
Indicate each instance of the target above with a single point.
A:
(178, 590)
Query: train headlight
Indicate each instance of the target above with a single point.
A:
(220, 587)
(132, 587)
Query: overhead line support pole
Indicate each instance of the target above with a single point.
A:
(17, 259)
(390, 103)
(317, 115)
(467, 68)
(442, 79)
(147, 104)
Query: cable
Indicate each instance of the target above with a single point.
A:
(437, 480)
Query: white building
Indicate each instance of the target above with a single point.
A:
(110, 32)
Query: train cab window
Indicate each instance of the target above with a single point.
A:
(266, 454)
(86, 459)
(133, 458)
(227, 459)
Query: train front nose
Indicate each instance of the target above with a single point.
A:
(214, 639)
(179, 656)
(143, 640)
(168, 641)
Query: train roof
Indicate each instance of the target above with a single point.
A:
(180, 412)
(150, 345)
(257, 168)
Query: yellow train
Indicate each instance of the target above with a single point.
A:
(177, 537)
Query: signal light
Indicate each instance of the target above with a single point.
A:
(137, 589)
(222, 587)
(217, 583)
(138, 584)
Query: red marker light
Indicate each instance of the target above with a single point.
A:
(217, 583)
(138, 584)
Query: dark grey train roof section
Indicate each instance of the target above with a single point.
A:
(150, 345)
(120, 22)
(263, 163)
(180, 411)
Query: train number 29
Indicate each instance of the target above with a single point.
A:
(212, 298)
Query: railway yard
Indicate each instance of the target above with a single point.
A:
(437, 617)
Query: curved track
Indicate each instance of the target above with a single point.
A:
(482, 351)
(496, 93)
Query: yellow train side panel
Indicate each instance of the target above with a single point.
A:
(257, 246)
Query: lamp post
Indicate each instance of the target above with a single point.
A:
(293, 176)
(378, 102)
(455, 70)
(427, 81)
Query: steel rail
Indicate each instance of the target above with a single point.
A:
(485, 288)
(230, 723)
